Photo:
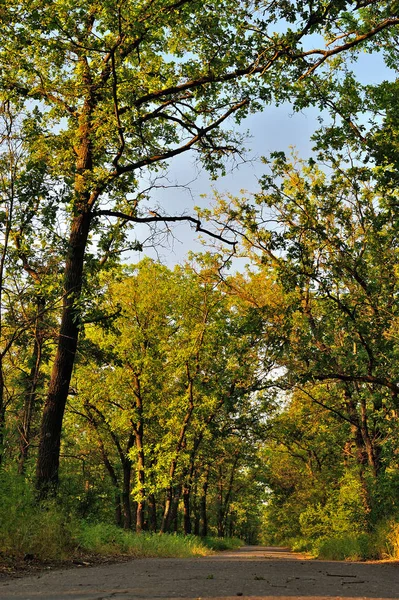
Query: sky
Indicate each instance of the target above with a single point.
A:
(276, 128)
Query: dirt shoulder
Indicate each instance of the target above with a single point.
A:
(11, 568)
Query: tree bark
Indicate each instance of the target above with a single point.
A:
(47, 468)
(203, 504)
(127, 507)
(50, 435)
(186, 504)
(152, 513)
(167, 516)
(138, 430)
(373, 457)
(2, 413)
(31, 387)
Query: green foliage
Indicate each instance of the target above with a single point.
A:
(46, 532)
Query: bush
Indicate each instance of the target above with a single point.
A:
(44, 531)
(346, 548)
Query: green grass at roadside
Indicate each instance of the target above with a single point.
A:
(381, 544)
(219, 544)
(106, 539)
(49, 532)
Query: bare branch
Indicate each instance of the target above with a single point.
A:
(157, 218)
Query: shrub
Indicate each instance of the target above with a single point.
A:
(26, 528)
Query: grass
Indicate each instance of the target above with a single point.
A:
(50, 533)
(381, 544)
(111, 540)
(218, 544)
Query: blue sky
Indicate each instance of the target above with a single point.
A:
(276, 128)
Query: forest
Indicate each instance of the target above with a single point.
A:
(155, 410)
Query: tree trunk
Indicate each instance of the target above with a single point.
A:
(186, 503)
(220, 513)
(127, 507)
(373, 457)
(50, 435)
(47, 468)
(31, 387)
(138, 429)
(203, 504)
(115, 483)
(2, 413)
(167, 509)
(171, 508)
(141, 481)
(152, 513)
(167, 516)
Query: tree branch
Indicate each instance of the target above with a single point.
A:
(157, 218)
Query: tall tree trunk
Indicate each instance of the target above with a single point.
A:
(2, 413)
(31, 387)
(220, 504)
(167, 510)
(141, 481)
(127, 507)
(47, 468)
(373, 457)
(203, 503)
(152, 513)
(50, 434)
(196, 509)
(112, 473)
(171, 508)
(186, 504)
(167, 517)
(138, 430)
(224, 502)
(175, 509)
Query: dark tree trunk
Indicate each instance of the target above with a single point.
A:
(141, 481)
(171, 509)
(127, 507)
(224, 502)
(138, 429)
(152, 513)
(47, 468)
(112, 473)
(203, 504)
(373, 454)
(220, 504)
(50, 435)
(2, 413)
(168, 517)
(187, 515)
(31, 388)
(167, 510)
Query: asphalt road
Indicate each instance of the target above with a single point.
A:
(251, 572)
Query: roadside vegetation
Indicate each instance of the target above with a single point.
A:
(49, 533)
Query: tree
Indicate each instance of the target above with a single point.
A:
(123, 88)
(28, 271)
(333, 251)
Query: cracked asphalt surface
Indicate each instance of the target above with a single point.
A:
(252, 572)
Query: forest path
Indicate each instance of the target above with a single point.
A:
(252, 572)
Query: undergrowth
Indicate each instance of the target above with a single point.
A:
(49, 532)
(381, 544)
